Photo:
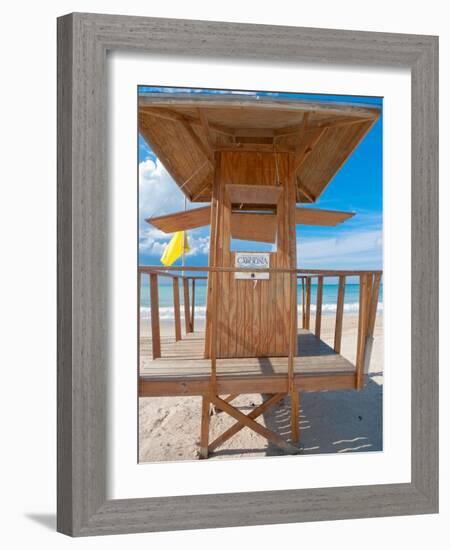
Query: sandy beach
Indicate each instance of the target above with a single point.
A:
(330, 422)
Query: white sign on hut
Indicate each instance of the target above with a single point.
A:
(252, 260)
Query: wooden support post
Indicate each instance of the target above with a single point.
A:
(295, 432)
(193, 305)
(308, 303)
(371, 317)
(187, 313)
(362, 329)
(154, 307)
(204, 431)
(319, 305)
(176, 308)
(373, 304)
(292, 329)
(215, 222)
(212, 261)
(303, 304)
(339, 315)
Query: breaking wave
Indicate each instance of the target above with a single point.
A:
(166, 313)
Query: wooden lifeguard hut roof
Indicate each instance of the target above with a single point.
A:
(184, 130)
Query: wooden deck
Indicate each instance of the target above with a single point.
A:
(182, 370)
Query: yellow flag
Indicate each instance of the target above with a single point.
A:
(177, 245)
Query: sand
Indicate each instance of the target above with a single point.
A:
(330, 422)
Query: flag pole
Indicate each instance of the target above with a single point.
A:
(184, 236)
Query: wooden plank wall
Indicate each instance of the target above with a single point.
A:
(252, 320)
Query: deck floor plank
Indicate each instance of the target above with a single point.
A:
(183, 368)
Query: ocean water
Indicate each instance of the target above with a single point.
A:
(330, 291)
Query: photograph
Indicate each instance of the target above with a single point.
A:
(260, 263)
(220, 275)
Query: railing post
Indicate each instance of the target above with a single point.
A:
(213, 340)
(154, 305)
(308, 302)
(303, 304)
(193, 305)
(187, 312)
(373, 303)
(176, 308)
(362, 329)
(371, 318)
(339, 315)
(319, 305)
(292, 327)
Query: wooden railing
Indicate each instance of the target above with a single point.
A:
(369, 285)
(188, 303)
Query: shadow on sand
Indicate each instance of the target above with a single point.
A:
(329, 421)
(333, 421)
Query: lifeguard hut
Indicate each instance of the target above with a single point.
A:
(255, 161)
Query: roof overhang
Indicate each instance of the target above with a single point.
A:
(185, 130)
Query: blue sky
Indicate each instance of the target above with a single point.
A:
(357, 187)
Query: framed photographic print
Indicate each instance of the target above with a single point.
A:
(247, 280)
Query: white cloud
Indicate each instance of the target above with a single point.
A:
(153, 241)
(198, 245)
(353, 250)
(158, 195)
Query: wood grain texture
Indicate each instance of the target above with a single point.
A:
(83, 40)
(339, 315)
(249, 311)
(363, 313)
(316, 216)
(259, 384)
(295, 430)
(186, 302)
(184, 130)
(319, 306)
(193, 305)
(308, 303)
(254, 227)
(212, 262)
(204, 429)
(69, 486)
(154, 309)
(311, 272)
(255, 193)
(235, 428)
(181, 221)
(255, 426)
(176, 308)
(184, 359)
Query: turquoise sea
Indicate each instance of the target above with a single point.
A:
(330, 291)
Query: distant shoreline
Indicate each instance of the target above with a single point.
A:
(166, 313)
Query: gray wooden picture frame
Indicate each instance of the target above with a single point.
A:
(83, 42)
